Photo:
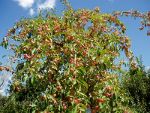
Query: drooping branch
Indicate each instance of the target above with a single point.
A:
(5, 68)
(67, 4)
(145, 22)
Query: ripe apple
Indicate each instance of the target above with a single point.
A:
(108, 88)
(100, 100)
(109, 95)
(76, 101)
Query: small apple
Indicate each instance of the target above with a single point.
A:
(108, 88)
(109, 95)
(58, 88)
(64, 106)
(100, 100)
(76, 101)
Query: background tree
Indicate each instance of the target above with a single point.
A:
(136, 83)
(2, 102)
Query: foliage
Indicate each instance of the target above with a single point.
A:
(68, 63)
(2, 102)
(9, 105)
(136, 83)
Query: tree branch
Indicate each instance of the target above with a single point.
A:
(2, 83)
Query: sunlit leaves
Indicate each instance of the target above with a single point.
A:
(69, 61)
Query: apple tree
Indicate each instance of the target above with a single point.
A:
(69, 63)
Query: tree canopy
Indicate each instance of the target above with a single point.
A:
(70, 63)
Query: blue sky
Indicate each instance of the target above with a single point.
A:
(13, 10)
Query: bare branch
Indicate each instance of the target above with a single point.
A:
(2, 83)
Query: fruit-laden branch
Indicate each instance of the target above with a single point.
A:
(145, 22)
(5, 68)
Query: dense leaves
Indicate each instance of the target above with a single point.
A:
(2, 102)
(69, 63)
(136, 83)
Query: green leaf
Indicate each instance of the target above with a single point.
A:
(34, 111)
(75, 109)
(80, 93)
(82, 107)
(32, 80)
(33, 105)
(83, 83)
(82, 70)
(33, 51)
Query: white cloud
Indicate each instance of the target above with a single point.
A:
(40, 4)
(6, 77)
(25, 3)
(2, 92)
(147, 68)
(48, 4)
(31, 11)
